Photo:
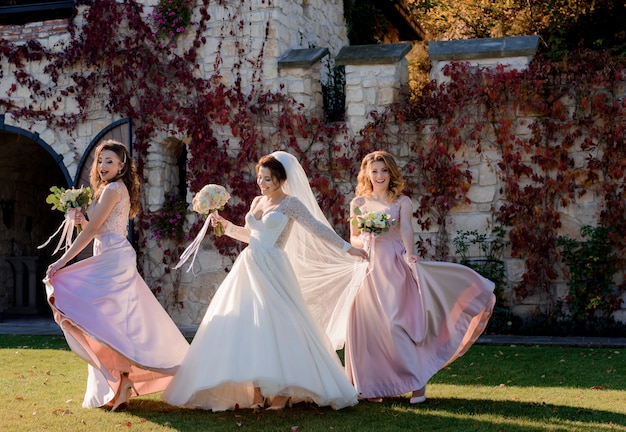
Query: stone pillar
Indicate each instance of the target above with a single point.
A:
(516, 52)
(300, 72)
(376, 76)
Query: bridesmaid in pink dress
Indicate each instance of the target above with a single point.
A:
(409, 319)
(108, 314)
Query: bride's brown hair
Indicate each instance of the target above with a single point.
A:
(128, 174)
(396, 181)
(277, 169)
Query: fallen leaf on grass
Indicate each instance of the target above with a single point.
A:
(294, 428)
(61, 411)
(597, 388)
(19, 398)
(167, 424)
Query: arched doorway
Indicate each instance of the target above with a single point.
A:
(28, 168)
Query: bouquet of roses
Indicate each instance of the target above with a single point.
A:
(372, 222)
(209, 199)
(65, 200)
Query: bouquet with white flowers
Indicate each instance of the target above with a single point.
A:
(66, 200)
(209, 199)
(372, 222)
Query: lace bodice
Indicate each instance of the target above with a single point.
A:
(273, 229)
(117, 222)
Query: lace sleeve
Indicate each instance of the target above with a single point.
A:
(298, 211)
(237, 232)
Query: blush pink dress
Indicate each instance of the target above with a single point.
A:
(110, 317)
(410, 320)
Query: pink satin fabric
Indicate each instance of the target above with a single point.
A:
(112, 320)
(410, 320)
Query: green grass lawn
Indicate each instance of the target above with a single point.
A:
(489, 389)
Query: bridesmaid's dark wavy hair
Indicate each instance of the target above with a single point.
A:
(277, 169)
(396, 181)
(128, 174)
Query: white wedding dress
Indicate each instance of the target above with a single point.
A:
(258, 331)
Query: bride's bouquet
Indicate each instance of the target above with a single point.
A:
(66, 200)
(373, 222)
(209, 199)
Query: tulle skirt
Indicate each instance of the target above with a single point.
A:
(112, 320)
(257, 332)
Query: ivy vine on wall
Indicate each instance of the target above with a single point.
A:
(112, 58)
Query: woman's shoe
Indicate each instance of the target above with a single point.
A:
(259, 405)
(418, 396)
(279, 403)
(418, 399)
(124, 393)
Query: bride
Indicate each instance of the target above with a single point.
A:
(259, 342)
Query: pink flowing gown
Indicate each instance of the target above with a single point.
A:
(410, 320)
(110, 317)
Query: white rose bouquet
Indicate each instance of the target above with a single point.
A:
(211, 198)
(65, 200)
(372, 222)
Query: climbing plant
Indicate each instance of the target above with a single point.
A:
(112, 60)
(552, 125)
(553, 129)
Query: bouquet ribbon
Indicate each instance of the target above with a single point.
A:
(192, 249)
(67, 226)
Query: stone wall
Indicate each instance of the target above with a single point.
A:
(376, 76)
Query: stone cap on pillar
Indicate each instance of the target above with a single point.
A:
(472, 49)
(301, 58)
(372, 54)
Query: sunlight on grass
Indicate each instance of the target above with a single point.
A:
(490, 389)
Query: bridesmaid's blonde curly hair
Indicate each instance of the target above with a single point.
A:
(396, 181)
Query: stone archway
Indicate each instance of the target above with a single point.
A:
(28, 168)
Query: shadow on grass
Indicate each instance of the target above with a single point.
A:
(33, 341)
(448, 414)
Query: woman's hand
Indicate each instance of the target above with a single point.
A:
(412, 258)
(358, 252)
(55, 267)
(216, 218)
(79, 218)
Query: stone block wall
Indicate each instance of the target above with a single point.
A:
(376, 76)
